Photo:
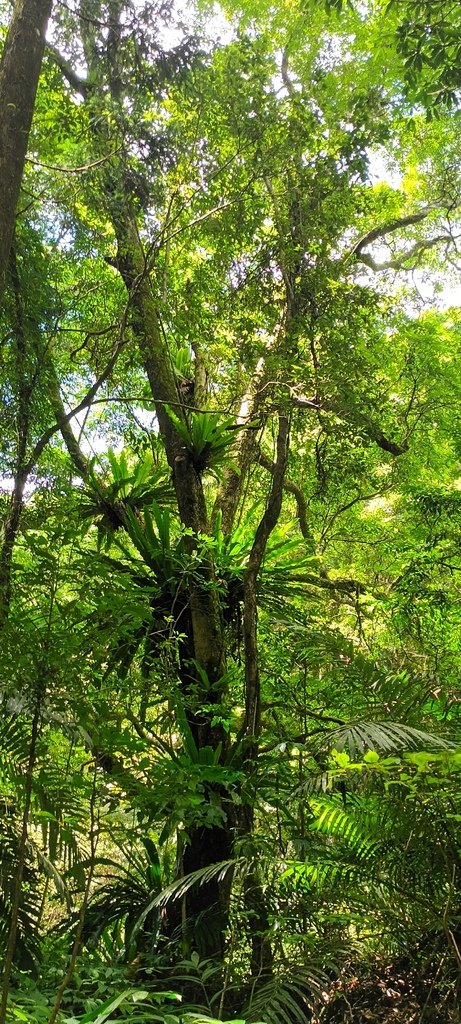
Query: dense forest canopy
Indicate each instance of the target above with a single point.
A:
(230, 486)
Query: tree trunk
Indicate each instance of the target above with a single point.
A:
(206, 905)
(261, 950)
(19, 73)
(24, 388)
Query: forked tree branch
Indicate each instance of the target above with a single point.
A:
(389, 227)
(398, 263)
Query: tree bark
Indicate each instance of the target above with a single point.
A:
(24, 388)
(261, 950)
(19, 73)
(266, 525)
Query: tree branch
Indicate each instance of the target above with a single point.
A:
(389, 227)
(341, 585)
(234, 476)
(291, 488)
(86, 401)
(250, 620)
(372, 430)
(398, 263)
(78, 458)
(79, 84)
(74, 170)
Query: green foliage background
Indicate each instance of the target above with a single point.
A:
(231, 219)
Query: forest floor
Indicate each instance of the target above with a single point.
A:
(390, 995)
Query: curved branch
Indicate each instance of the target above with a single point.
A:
(389, 227)
(291, 488)
(77, 83)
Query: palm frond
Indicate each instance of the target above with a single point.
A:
(27, 944)
(287, 999)
(389, 737)
(201, 877)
